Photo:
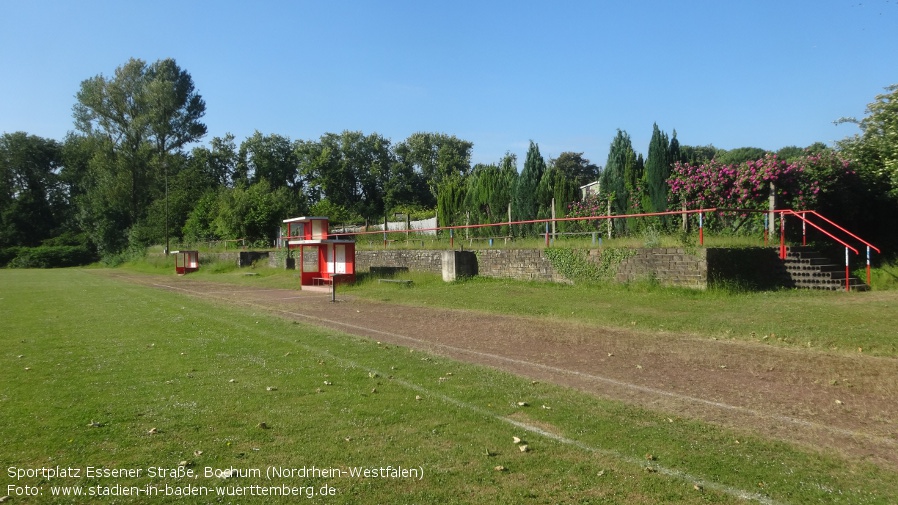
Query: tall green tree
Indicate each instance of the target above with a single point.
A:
(216, 163)
(621, 172)
(450, 201)
(525, 203)
(142, 115)
(488, 193)
(657, 171)
(557, 188)
(32, 199)
(876, 147)
(350, 170)
(436, 156)
(270, 157)
(576, 168)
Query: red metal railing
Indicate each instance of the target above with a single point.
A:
(868, 245)
(803, 216)
(804, 220)
(835, 229)
(547, 222)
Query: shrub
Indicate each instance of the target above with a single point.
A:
(52, 257)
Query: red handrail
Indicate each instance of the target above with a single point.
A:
(799, 214)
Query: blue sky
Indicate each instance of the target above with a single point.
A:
(564, 74)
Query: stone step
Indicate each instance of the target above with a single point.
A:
(808, 269)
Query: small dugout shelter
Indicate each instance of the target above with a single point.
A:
(186, 261)
(321, 260)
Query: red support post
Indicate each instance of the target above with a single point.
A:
(451, 239)
(868, 265)
(701, 229)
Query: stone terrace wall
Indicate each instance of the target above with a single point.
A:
(519, 264)
(668, 266)
(754, 267)
(418, 261)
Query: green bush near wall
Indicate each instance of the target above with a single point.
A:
(575, 265)
(48, 256)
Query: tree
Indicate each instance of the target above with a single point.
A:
(488, 192)
(524, 204)
(621, 172)
(269, 157)
(436, 156)
(350, 170)
(739, 155)
(556, 187)
(450, 201)
(657, 171)
(252, 213)
(876, 148)
(32, 201)
(218, 162)
(141, 115)
(696, 155)
(175, 108)
(576, 168)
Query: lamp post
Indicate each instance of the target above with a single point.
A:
(165, 170)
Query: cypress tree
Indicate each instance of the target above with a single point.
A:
(657, 170)
(620, 168)
(524, 205)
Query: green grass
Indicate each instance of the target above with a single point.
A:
(89, 366)
(831, 321)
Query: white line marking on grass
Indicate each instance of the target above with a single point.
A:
(669, 472)
(597, 378)
(608, 380)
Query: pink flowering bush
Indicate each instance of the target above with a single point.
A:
(747, 186)
(592, 205)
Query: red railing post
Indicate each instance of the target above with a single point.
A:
(701, 229)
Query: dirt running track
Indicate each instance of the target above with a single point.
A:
(834, 402)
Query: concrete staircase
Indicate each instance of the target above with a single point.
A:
(808, 269)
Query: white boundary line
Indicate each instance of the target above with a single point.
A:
(722, 488)
(597, 378)
(669, 472)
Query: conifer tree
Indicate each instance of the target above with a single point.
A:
(621, 172)
(524, 205)
(657, 170)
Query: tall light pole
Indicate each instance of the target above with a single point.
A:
(165, 170)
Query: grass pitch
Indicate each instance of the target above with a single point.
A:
(147, 396)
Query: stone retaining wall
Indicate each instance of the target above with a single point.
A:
(415, 260)
(519, 264)
(668, 266)
(695, 268)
